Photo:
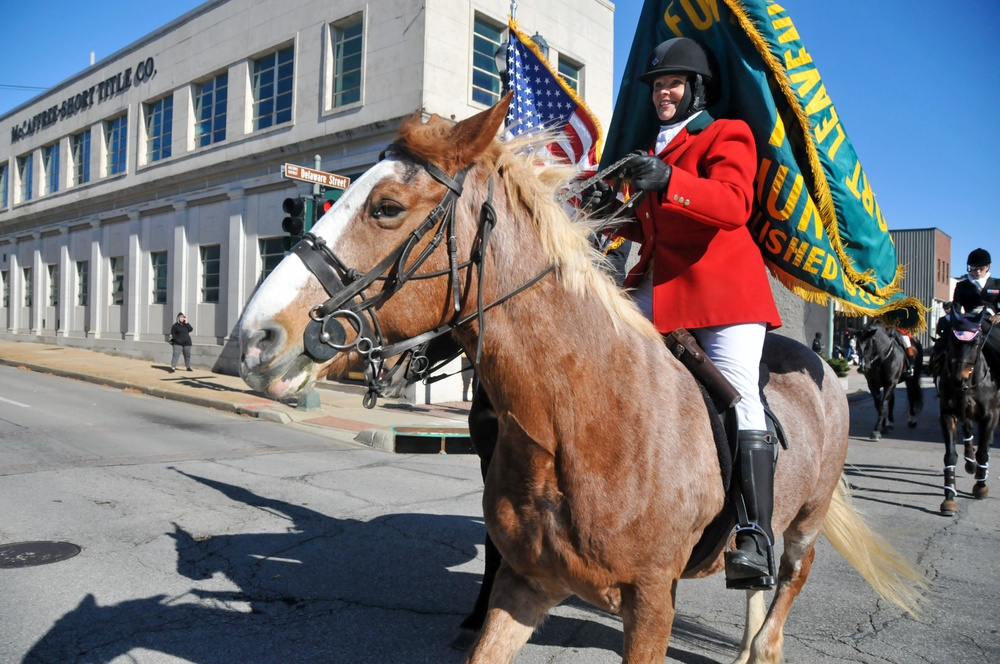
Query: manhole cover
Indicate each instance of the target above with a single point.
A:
(32, 554)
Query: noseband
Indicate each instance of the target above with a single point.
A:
(325, 335)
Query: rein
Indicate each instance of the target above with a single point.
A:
(325, 335)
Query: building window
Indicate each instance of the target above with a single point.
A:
(82, 279)
(272, 250)
(80, 147)
(6, 288)
(53, 285)
(159, 129)
(50, 164)
(210, 273)
(159, 261)
(117, 280)
(3, 185)
(570, 73)
(485, 78)
(210, 102)
(27, 286)
(347, 47)
(25, 166)
(116, 143)
(272, 89)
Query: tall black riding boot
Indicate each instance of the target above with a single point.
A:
(751, 564)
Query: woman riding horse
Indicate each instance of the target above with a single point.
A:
(980, 291)
(698, 177)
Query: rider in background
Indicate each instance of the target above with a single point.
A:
(909, 350)
(698, 177)
(979, 293)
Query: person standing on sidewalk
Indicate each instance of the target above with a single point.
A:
(180, 338)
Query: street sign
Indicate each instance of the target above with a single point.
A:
(322, 178)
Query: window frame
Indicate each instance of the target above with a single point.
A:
(28, 295)
(116, 145)
(572, 78)
(79, 148)
(340, 39)
(82, 283)
(53, 277)
(265, 247)
(158, 122)
(477, 93)
(158, 276)
(26, 177)
(207, 262)
(278, 72)
(50, 168)
(116, 266)
(217, 117)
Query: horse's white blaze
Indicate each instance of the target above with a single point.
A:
(291, 274)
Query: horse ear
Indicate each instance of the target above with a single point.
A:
(475, 134)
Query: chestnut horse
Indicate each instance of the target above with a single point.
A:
(605, 475)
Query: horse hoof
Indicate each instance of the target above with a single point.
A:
(980, 491)
(970, 467)
(949, 507)
(912, 424)
(463, 639)
(875, 436)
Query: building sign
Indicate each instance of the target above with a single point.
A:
(322, 178)
(84, 99)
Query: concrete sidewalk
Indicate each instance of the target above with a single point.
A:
(392, 424)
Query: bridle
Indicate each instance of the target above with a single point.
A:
(956, 365)
(869, 350)
(325, 334)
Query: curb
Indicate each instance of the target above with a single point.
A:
(143, 389)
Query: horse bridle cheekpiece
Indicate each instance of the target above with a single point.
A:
(325, 334)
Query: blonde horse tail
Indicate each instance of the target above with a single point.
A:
(884, 568)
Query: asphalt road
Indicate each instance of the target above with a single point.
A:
(215, 538)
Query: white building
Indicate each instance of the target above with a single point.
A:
(150, 183)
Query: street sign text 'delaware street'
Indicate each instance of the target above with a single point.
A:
(321, 178)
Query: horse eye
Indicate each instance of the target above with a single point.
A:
(386, 209)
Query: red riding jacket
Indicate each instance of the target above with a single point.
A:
(707, 270)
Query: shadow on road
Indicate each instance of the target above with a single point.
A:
(320, 588)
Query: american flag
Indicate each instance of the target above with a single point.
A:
(544, 101)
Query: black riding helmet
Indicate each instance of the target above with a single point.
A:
(978, 258)
(681, 56)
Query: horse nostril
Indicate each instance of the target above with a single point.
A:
(265, 341)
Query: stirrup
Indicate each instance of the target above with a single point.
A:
(764, 581)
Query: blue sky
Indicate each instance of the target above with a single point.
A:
(916, 84)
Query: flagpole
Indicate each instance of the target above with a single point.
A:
(513, 10)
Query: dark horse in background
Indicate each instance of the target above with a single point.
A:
(883, 363)
(968, 393)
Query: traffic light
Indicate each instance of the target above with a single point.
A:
(295, 223)
(325, 201)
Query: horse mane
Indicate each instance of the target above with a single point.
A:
(532, 188)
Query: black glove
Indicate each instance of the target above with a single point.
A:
(597, 197)
(649, 173)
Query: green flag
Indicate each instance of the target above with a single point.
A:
(816, 220)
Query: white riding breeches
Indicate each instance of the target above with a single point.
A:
(736, 351)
